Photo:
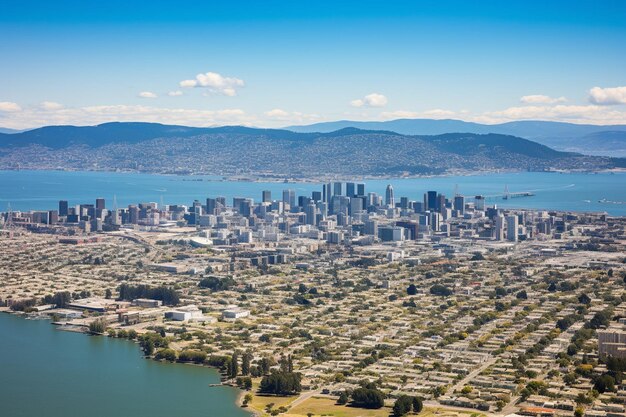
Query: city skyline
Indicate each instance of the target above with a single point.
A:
(279, 64)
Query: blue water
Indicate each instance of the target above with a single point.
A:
(40, 190)
(52, 373)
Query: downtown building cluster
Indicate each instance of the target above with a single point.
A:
(339, 213)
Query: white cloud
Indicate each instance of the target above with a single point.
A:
(439, 113)
(565, 113)
(50, 105)
(606, 96)
(175, 93)
(428, 114)
(541, 99)
(277, 113)
(9, 106)
(147, 94)
(215, 83)
(370, 100)
(399, 114)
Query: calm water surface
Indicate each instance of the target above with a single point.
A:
(40, 190)
(52, 373)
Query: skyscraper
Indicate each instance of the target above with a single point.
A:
(337, 187)
(289, 197)
(430, 200)
(311, 213)
(360, 189)
(389, 198)
(267, 196)
(63, 208)
(459, 204)
(100, 204)
(499, 232)
(511, 228)
(350, 189)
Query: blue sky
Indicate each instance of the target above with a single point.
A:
(276, 63)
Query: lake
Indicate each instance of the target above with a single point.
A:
(53, 373)
(41, 190)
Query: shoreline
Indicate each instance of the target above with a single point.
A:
(285, 179)
(76, 329)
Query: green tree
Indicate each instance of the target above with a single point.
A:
(418, 405)
(98, 326)
(234, 365)
(368, 398)
(246, 358)
(411, 289)
(402, 406)
(343, 398)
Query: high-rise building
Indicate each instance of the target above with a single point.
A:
(479, 202)
(267, 196)
(430, 201)
(316, 196)
(350, 189)
(441, 202)
(289, 197)
(337, 187)
(100, 205)
(356, 205)
(63, 208)
(511, 228)
(360, 189)
(389, 198)
(211, 205)
(311, 213)
(499, 228)
(329, 193)
(459, 204)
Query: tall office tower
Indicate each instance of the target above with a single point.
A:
(289, 197)
(356, 205)
(322, 208)
(479, 202)
(371, 227)
(441, 202)
(303, 201)
(246, 207)
(337, 187)
(311, 213)
(329, 193)
(389, 198)
(100, 204)
(511, 228)
(435, 221)
(350, 189)
(459, 204)
(267, 196)
(430, 201)
(404, 202)
(211, 205)
(133, 214)
(220, 201)
(499, 227)
(316, 196)
(63, 208)
(372, 199)
(360, 189)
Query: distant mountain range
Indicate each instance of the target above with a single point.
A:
(586, 139)
(7, 130)
(243, 151)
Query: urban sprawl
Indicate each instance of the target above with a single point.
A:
(344, 299)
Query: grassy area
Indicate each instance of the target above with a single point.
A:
(259, 402)
(319, 406)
